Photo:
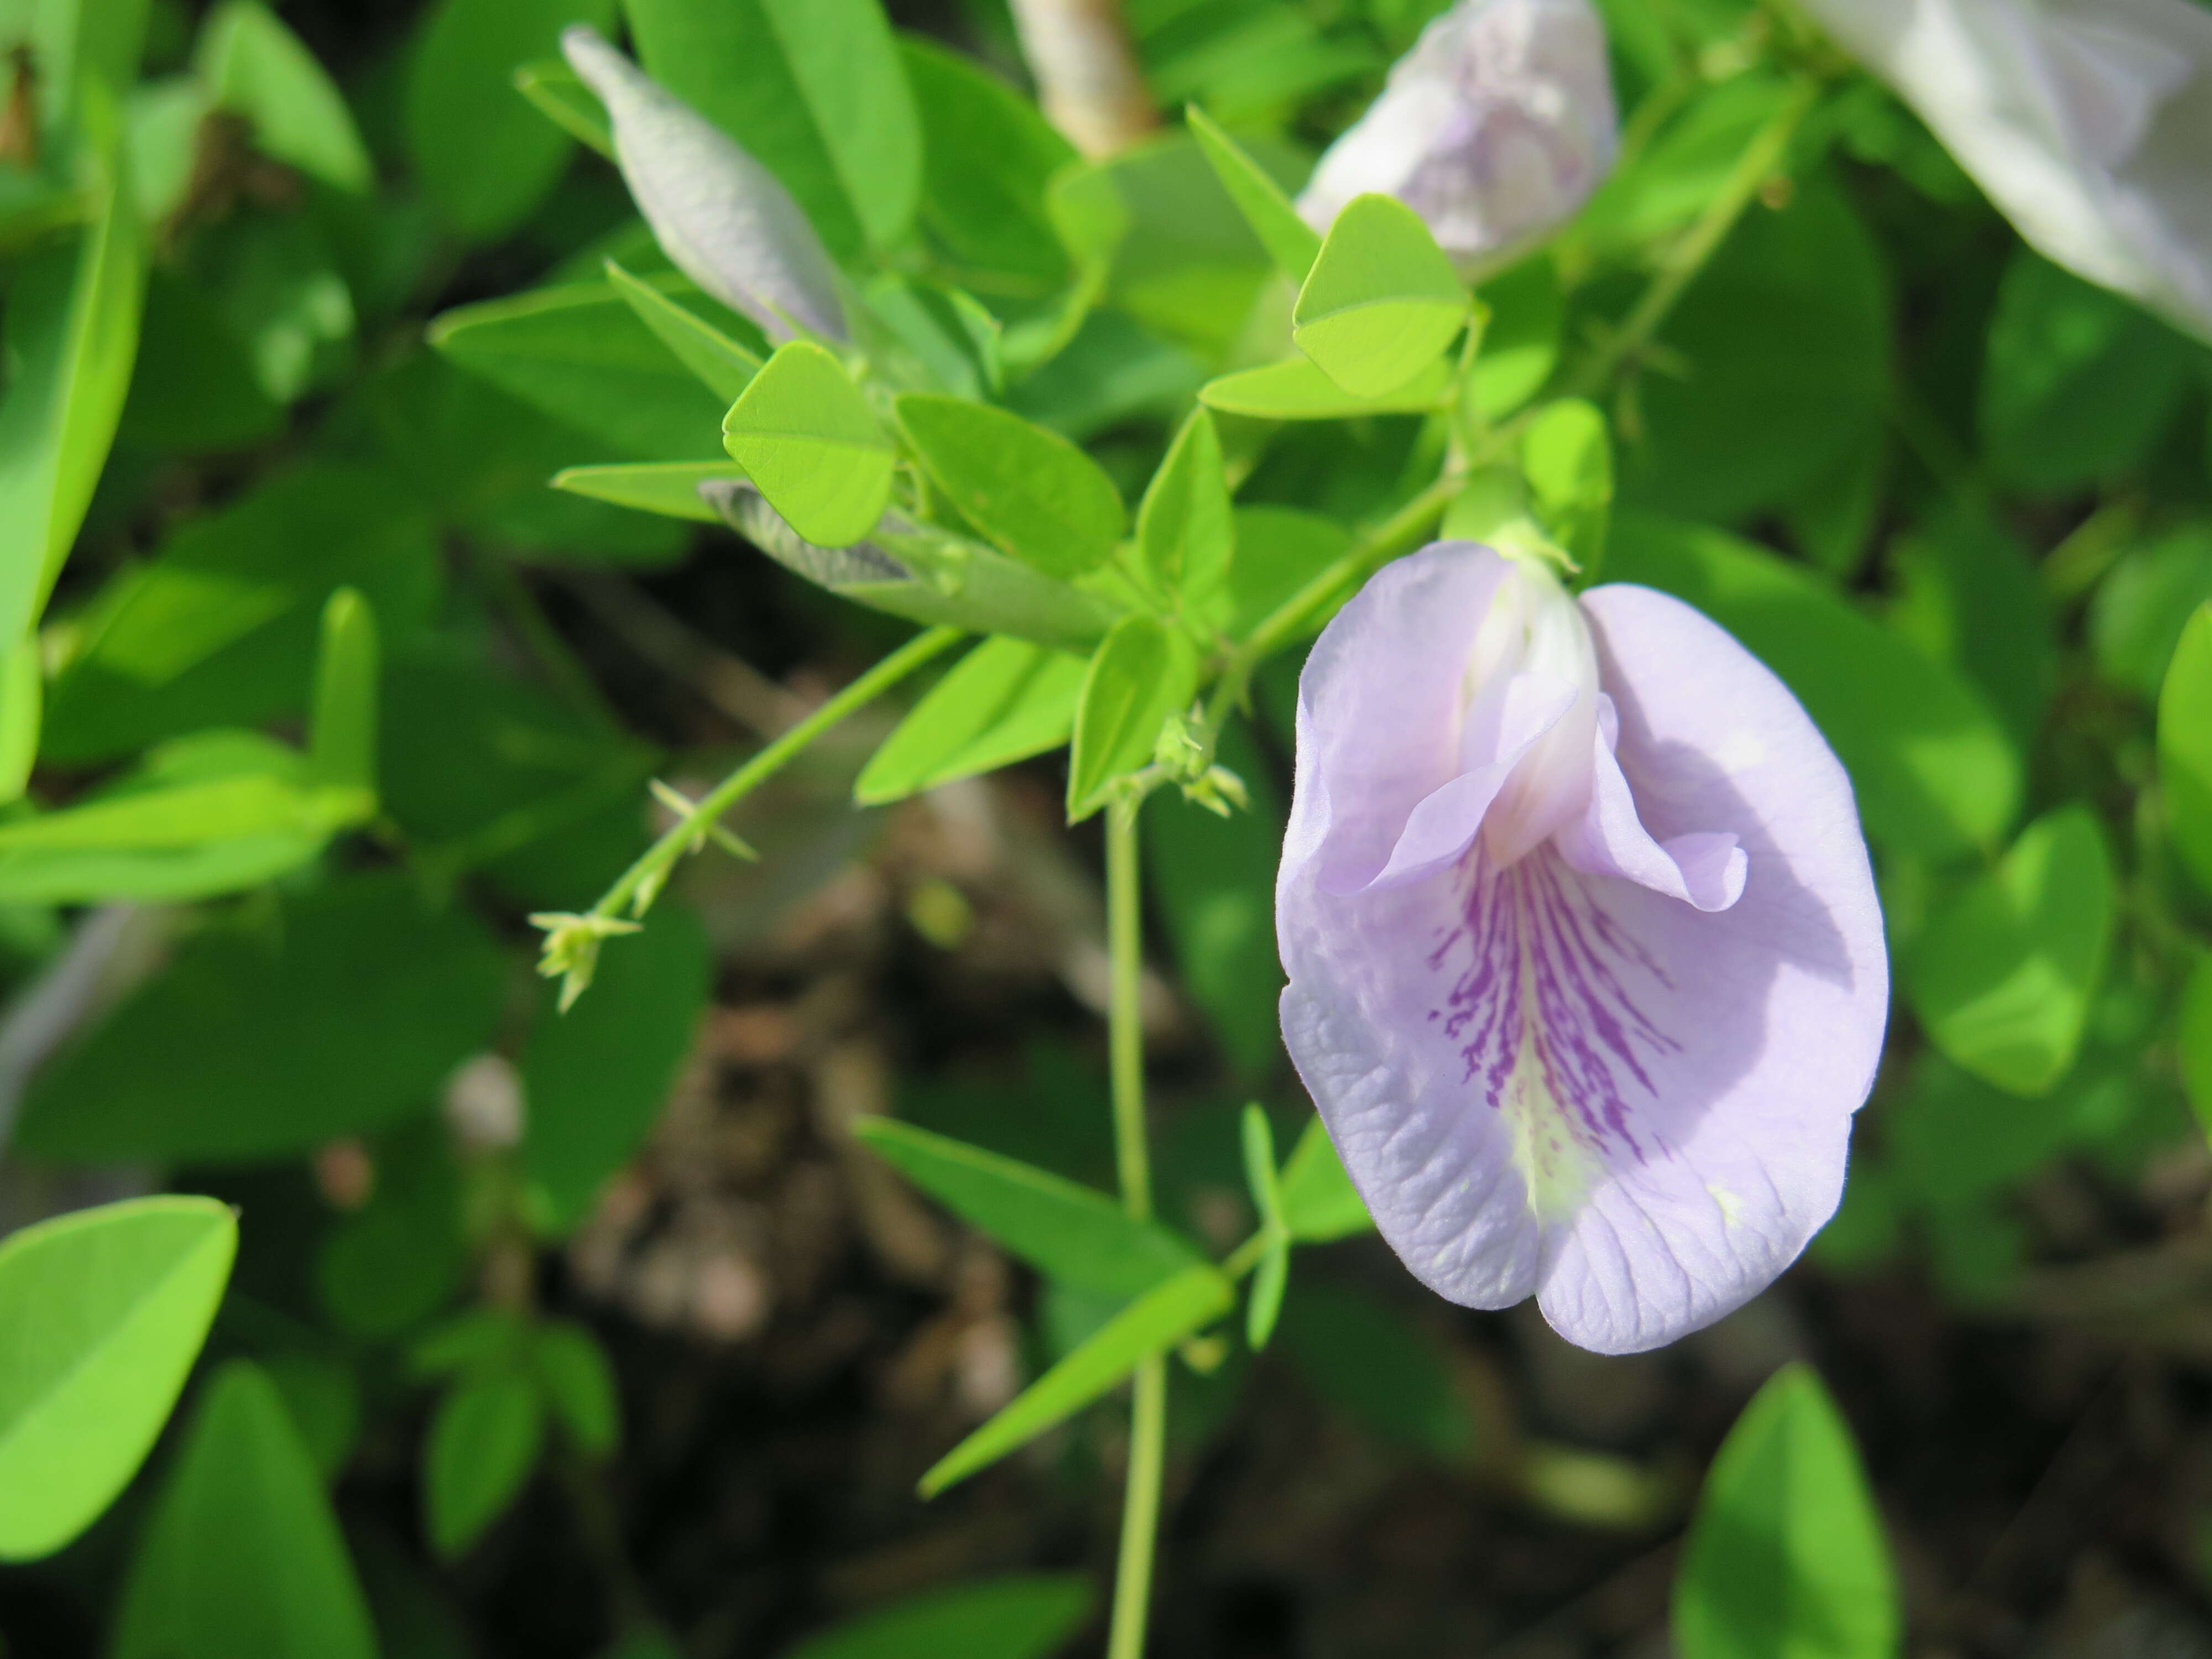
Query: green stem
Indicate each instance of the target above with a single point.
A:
(1140, 1509)
(1125, 1030)
(653, 866)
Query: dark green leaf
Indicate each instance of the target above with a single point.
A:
(483, 1443)
(1520, 336)
(1368, 1360)
(987, 156)
(2184, 744)
(724, 366)
(579, 1383)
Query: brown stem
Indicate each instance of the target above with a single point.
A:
(1086, 70)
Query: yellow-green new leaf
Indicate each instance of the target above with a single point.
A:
(483, 1443)
(668, 488)
(104, 1310)
(1294, 390)
(1163, 1316)
(1264, 1304)
(2184, 744)
(1007, 699)
(1185, 528)
(258, 68)
(806, 439)
(1382, 301)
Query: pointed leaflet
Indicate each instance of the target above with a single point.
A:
(1382, 301)
(1268, 1279)
(2002, 975)
(1068, 1233)
(258, 69)
(806, 439)
(670, 488)
(22, 702)
(1006, 700)
(483, 1445)
(1319, 1201)
(1161, 1317)
(2184, 744)
(1143, 672)
(713, 355)
(1292, 243)
(561, 96)
(71, 332)
(1785, 1555)
(1567, 456)
(1296, 390)
(104, 1310)
(342, 726)
(242, 1558)
(1524, 314)
(988, 157)
(1030, 491)
(1185, 528)
(814, 88)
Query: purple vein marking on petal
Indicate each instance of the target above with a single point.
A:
(1529, 942)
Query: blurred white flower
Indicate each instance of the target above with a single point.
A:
(2087, 122)
(1495, 128)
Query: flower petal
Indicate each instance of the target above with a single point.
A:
(1705, 868)
(724, 220)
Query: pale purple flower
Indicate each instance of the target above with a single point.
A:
(1586, 968)
(1495, 128)
(2087, 122)
(723, 219)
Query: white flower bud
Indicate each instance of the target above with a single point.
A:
(722, 218)
(2087, 122)
(1495, 129)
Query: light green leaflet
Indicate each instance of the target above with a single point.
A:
(1294, 390)
(483, 1445)
(1030, 491)
(1143, 672)
(1164, 1316)
(560, 92)
(242, 1558)
(1022, 1616)
(1264, 1302)
(1068, 1233)
(805, 437)
(1785, 1558)
(23, 701)
(2184, 744)
(1292, 243)
(1566, 455)
(713, 355)
(1319, 1201)
(668, 488)
(104, 1310)
(1525, 314)
(1186, 527)
(258, 69)
(1007, 699)
(2002, 977)
(71, 334)
(1382, 301)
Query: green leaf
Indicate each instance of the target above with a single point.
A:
(1020, 1616)
(726, 366)
(2184, 744)
(323, 1399)
(1264, 1303)
(1567, 454)
(815, 88)
(562, 98)
(668, 488)
(2078, 382)
(1382, 301)
(483, 1443)
(104, 1310)
(22, 703)
(1367, 1358)
(1186, 527)
(1296, 390)
(1006, 700)
(1527, 314)
(400, 1257)
(222, 626)
(2003, 974)
(255, 67)
(1292, 243)
(242, 1558)
(193, 388)
(485, 158)
(1785, 1558)
(1162, 1316)
(578, 352)
(342, 728)
(1142, 672)
(1068, 1233)
(987, 156)
(342, 1018)
(1934, 768)
(1319, 1201)
(597, 1077)
(807, 440)
(1970, 595)
(2195, 1027)
(2139, 609)
(1213, 882)
(579, 1384)
(1030, 491)
(69, 336)
(1280, 548)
